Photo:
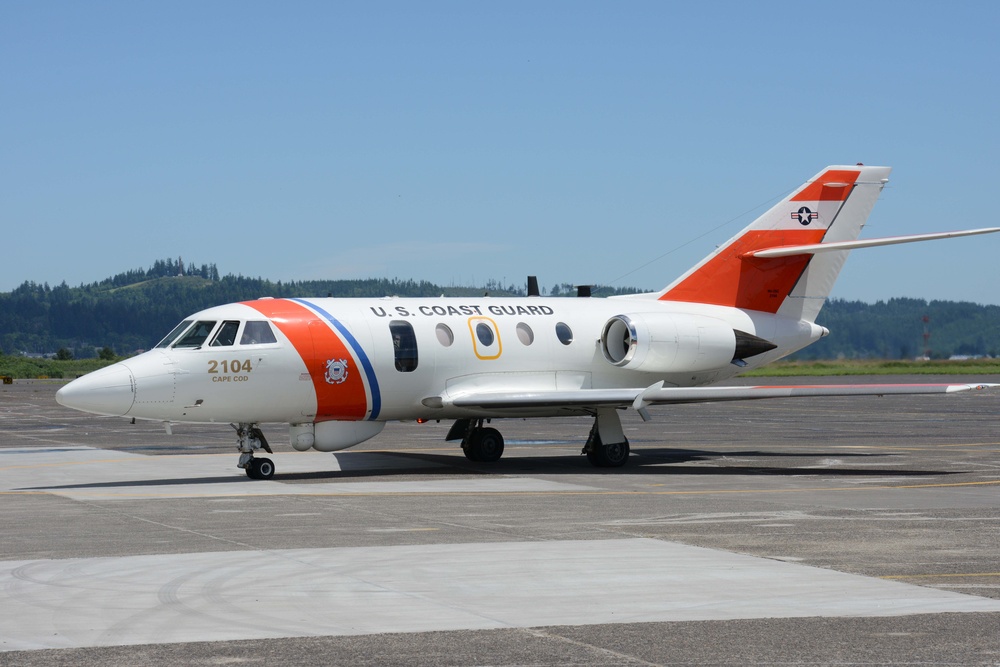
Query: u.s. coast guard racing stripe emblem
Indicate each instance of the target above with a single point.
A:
(366, 364)
(317, 342)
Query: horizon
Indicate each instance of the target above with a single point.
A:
(508, 286)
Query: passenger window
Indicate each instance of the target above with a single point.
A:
(485, 338)
(172, 336)
(257, 332)
(485, 334)
(197, 335)
(404, 345)
(564, 333)
(444, 334)
(525, 334)
(226, 335)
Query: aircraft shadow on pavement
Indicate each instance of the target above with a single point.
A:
(654, 462)
(180, 481)
(645, 461)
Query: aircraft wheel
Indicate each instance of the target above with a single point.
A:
(614, 455)
(485, 446)
(260, 469)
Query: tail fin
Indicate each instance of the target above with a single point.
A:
(831, 207)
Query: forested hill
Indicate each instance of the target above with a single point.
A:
(895, 329)
(133, 310)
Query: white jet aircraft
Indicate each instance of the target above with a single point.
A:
(337, 370)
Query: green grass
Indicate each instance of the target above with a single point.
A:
(23, 368)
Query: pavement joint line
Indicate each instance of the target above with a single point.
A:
(630, 659)
(942, 576)
(190, 531)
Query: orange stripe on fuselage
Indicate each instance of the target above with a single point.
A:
(820, 190)
(317, 344)
(753, 284)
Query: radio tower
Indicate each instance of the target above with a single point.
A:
(927, 337)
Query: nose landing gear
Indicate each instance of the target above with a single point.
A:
(249, 439)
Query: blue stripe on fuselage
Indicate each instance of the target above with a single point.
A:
(358, 350)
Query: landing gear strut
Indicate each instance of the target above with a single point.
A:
(613, 453)
(480, 444)
(249, 439)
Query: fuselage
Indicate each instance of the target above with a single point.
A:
(336, 370)
(316, 360)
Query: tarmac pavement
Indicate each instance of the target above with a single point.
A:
(801, 531)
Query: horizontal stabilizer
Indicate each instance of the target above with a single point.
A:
(814, 248)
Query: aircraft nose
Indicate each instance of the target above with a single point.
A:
(108, 391)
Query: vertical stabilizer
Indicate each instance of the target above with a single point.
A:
(832, 206)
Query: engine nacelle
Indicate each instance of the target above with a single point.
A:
(333, 435)
(668, 343)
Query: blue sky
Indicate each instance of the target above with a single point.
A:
(459, 142)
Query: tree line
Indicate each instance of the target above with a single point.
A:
(131, 311)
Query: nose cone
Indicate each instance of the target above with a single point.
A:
(108, 391)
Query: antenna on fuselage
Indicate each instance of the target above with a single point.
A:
(583, 290)
(533, 286)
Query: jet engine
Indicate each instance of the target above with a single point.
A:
(673, 343)
(333, 435)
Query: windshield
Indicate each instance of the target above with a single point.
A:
(172, 336)
(197, 335)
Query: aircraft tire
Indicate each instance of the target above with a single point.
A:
(260, 469)
(485, 446)
(614, 455)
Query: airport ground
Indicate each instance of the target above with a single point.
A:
(804, 531)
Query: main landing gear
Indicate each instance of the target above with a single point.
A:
(480, 444)
(614, 455)
(607, 446)
(249, 439)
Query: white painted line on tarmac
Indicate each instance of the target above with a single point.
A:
(85, 473)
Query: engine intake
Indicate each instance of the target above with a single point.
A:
(670, 343)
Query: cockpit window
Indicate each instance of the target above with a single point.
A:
(197, 335)
(226, 335)
(172, 336)
(257, 333)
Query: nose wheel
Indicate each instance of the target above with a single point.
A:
(249, 438)
(262, 468)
